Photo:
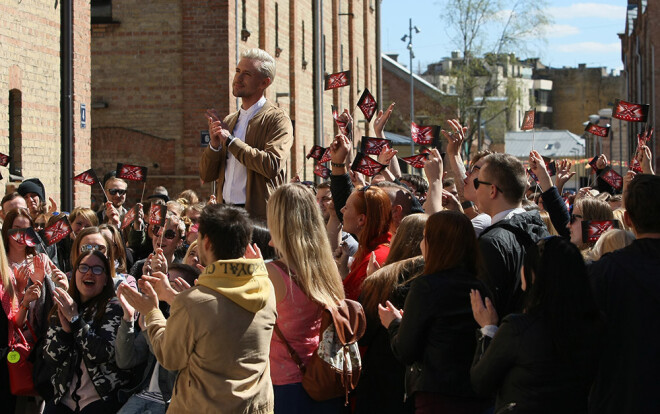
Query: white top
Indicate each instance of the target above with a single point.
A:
(480, 223)
(233, 190)
(506, 214)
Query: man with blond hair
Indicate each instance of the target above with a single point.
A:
(248, 150)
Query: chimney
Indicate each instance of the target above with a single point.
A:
(393, 56)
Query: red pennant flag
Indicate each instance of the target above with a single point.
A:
(593, 229)
(417, 161)
(343, 127)
(25, 236)
(326, 156)
(528, 120)
(157, 214)
(601, 131)
(628, 111)
(374, 146)
(337, 80)
(57, 231)
(322, 171)
(131, 172)
(612, 178)
(424, 150)
(367, 104)
(4, 160)
(635, 166)
(129, 217)
(87, 177)
(316, 152)
(422, 135)
(366, 165)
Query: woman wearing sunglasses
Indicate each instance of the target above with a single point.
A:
(587, 208)
(165, 242)
(544, 359)
(80, 341)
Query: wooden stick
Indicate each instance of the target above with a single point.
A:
(144, 187)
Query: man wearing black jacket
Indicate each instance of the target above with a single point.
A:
(500, 189)
(626, 286)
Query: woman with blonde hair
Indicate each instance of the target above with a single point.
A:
(609, 241)
(584, 209)
(306, 280)
(8, 311)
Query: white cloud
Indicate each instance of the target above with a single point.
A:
(560, 30)
(589, 11)
(588, 47)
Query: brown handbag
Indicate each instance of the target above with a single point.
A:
(334, 368)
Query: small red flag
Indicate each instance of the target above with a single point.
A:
(593, 229)
(337, 80)
(4, 160)
(57, 231)
(628, 111)
(87, 177)
(367, 104)
(635, 166)
(612, 178)
(374, 146)
(326, 156)
(129, 217)
(26, 236)
(316, 152)
(528, 120)
(416, 161)
(593, 164)
(131, 172)
(343, 126)
(601, 131)
(322, 171)
(366, 165)
(422, 135)
(157, 214)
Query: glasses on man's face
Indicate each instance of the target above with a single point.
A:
(97, 270)
(89, 247)
(574, 217)
(477, 183)
(117, 191)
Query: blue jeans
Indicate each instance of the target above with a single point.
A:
(137, 405)
(293, 399)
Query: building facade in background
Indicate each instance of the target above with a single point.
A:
(31, 93)
(157, 66)
(639, 44)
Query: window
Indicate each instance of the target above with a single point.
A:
(15, 131)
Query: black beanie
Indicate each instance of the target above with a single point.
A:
(32, 185)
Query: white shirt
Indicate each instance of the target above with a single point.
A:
(233, 190)
(506, 214)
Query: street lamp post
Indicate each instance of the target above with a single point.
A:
(408, 37)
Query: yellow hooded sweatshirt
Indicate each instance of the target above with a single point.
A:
(243, 281)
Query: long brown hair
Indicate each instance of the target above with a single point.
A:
(117, 246)
(450, 243)
(98, 303)
(405, 243)
(9, 222)
(375, 204)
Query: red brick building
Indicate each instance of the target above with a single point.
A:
(639, 45)
(158, 65)
(33, 122)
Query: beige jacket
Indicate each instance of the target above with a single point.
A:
(267, 146)
(219, 346)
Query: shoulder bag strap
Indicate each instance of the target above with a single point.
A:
(292, 352)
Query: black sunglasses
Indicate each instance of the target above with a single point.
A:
(574, 217)
(169, 234)
(477, 182)
(117, 191)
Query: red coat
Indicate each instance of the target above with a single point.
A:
(353, 282)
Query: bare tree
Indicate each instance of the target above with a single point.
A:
(485, 30)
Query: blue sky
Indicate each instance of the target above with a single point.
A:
(583, 32)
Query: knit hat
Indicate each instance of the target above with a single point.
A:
(32, 185)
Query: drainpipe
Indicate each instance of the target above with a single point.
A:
(318, 72)
(379, 60)
(66, 105)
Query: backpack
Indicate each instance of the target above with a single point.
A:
(334, 368)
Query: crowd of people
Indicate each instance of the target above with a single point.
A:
(482, 293)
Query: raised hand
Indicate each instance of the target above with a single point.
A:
(253, 252)
(373, 265)
(564, 173)
(455, 138)
(339, 149)
(386, 155)
(433, 167)
(381, 120)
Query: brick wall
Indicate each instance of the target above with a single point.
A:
(30, 65)
(163, 63)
